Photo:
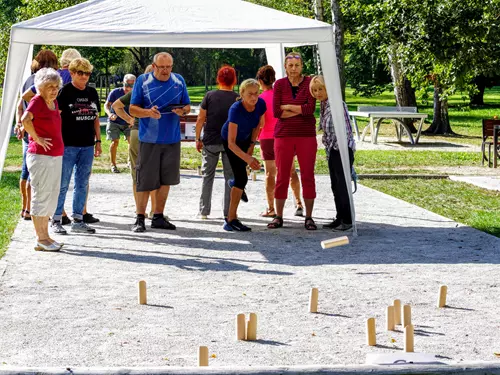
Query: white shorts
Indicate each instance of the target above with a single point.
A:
(45, 172)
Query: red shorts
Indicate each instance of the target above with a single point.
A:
(267, 149)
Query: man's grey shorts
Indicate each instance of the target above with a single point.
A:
(158, 165)
(113, 130)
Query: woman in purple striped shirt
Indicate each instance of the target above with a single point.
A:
(294, 134)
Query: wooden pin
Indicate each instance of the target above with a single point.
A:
(390, 318)
(240, 327)
(143, 299)
(443, 289)
(326, 244)
(254, 176)
(199, 171)
(397, 311)
(371, 335)
(406, 315)
(409, 332)
(313, 300)
(203, 356)
(252, 327)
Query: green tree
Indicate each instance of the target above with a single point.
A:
(436, 42)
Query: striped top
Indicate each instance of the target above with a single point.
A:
(303, 125)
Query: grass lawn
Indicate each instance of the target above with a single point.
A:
(459, 201)
(10, 207)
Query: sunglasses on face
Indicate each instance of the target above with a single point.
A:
(82, 73)
(292, 57)
(128, 85)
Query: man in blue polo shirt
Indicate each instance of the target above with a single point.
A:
(158, 99)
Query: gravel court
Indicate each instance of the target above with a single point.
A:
(79, 307)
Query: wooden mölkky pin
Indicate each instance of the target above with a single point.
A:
(406, 315)
(397, 311)
(409, 334)
(254, 176)
(371, 334)
(443, 289)
(326, 244)
(240, 327)
(143, 299)
(390, 318)
(252, 327)
(203, 356)
(313, 300)
(199, 171)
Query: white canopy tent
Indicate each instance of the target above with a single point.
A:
(173, 23)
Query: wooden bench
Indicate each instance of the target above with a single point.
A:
(381, 113)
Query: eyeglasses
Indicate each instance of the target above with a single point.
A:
(293, 57)
(166, 67)
(82, 73)
(128, 85)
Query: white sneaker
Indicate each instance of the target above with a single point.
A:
(57, 228)
(202, 217)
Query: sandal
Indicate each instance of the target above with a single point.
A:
(309, 224)
(27, 215)
(268, 213)
(276, 223)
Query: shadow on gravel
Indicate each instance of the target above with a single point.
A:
(292, 245)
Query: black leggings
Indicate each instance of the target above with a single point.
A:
(339, 187)
(238, 165)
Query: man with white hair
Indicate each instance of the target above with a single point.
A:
(159, 99)
(116, 124)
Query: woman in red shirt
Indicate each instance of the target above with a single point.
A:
(266, 77)
(44, 157)
(294, 134)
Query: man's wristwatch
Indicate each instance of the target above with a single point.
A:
(97, 141)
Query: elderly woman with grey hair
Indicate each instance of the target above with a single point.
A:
(42, 121)
(116, 125)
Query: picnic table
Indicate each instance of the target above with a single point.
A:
(396, 114)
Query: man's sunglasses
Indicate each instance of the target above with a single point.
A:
(82, 73)
(128, 85)
(293, 57)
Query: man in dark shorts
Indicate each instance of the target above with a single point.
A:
(158, 99)
(116, 125)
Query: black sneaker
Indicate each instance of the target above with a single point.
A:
(139, 225)
(65, 220)
(244, 196)
(334, 224)
(90, 219)
(239, 226)
(160, 223)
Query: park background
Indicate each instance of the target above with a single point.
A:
(441, 56)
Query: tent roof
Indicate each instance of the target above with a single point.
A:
(190, 23)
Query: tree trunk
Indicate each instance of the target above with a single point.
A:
(441, 121)
(318, 14)
(338, 31)
(404, 93)
(478, 98)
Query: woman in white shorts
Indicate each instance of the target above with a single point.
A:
(42, 121)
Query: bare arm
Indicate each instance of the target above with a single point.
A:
(97, 130)
(255, 134)
(107, 109)
(28, 95)
(200, 123)
(139, 112)
(119, 109)
(27, 120)
(231, 140)
(288, 114)
(182, 111)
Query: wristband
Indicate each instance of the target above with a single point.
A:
(97, 141)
